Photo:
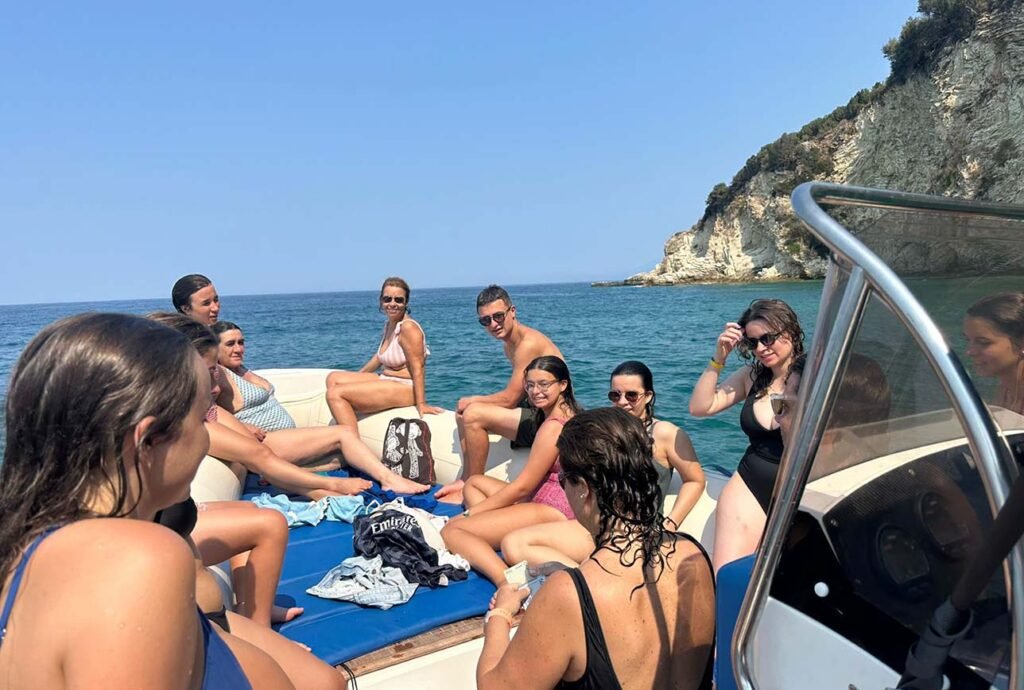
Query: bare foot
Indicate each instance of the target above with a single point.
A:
(280, 614)
(401, 485)
(349, 486)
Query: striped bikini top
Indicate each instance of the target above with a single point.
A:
(393, 356)
(259, 406)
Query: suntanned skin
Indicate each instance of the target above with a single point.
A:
(478, 415)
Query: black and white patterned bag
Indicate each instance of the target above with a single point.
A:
(407, 450)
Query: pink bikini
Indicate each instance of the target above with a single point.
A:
(550, 492)
(393, 356)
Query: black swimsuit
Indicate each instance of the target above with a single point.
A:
(760, 464)
(599, 673)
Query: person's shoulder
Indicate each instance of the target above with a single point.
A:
(665, 430)
(557, 595)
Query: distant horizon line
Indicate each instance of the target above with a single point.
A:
(271, 294)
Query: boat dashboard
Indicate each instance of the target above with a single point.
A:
(874, 565)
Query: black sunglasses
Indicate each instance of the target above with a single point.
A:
(562, 479)
(498, 317)
(748, 345)
(782, 404)
(388, 299)
(631, 396)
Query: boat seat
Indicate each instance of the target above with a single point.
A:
(733, 579)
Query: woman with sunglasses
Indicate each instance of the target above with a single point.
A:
(769, 336)
(250, 399)
(569, 543)
(400, 358)
(495, 508)
(639, 612)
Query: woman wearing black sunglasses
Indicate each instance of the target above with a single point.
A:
(769, 337)
(400, 358)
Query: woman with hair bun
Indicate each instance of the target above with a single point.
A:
(769, 337)
(994, 328)
(639, 612)
(195, 296)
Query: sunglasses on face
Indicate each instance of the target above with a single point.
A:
(750, 344)
(630, 396)
(782, 404)
(498, 317)
(542, 386)
(388, 299)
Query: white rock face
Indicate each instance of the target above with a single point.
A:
(958, 131)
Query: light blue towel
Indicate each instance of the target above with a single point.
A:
(365, 581)
(344, 508)
(297, 512)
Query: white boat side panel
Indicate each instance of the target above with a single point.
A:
(454, 667)
(796, 652)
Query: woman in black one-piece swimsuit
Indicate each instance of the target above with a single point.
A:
(769, 335)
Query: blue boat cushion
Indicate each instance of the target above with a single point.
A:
(339, 631)
(733, 579)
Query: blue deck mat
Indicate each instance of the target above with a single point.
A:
(339, 631)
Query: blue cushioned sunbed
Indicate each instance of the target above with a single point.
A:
(339, 631)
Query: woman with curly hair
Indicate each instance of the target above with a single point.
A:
(769, 337)
(640, 612)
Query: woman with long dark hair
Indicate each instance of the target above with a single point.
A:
(195, 296)
(994, 328)
(495, 508)
(639, 612)
(768, 336)
(100, 436)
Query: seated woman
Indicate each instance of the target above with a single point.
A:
(640, 612)
(569, 543)
(250, 397)
(495, 508)
(994, 328)
(195, 297)
(401, 356)
(100, 438)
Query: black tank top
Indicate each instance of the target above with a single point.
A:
(764, 443)
(599, 673)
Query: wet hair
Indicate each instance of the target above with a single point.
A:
(222, 327)
(610, 450)
(633, 367)
(185, 287)
(560, 370)
(864, 395)
(200, 335)
(492, 293)
(1005, 311)
(79, 388)
(781, 318)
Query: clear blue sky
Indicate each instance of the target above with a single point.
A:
(322, 145)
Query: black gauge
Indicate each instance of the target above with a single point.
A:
(902, 561)
(949, 535)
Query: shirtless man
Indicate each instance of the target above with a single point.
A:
(501, 412)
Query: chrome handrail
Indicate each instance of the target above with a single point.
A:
(873, 276)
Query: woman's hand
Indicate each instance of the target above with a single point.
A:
(425, 409)
(510, 598)
(727, 341)
(257, 433)
(451, 493)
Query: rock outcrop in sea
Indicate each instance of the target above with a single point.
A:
(949, 120)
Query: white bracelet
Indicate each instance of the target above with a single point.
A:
(500, 613)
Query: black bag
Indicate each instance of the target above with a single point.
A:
(407, 450)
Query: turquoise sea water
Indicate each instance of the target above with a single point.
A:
(671, 329)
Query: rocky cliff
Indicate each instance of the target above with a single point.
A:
(949, 120)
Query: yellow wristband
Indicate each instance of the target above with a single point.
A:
(717, 366)
(500, 613)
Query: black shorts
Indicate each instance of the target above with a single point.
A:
(526, 432)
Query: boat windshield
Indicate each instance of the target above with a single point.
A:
(894, 504)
